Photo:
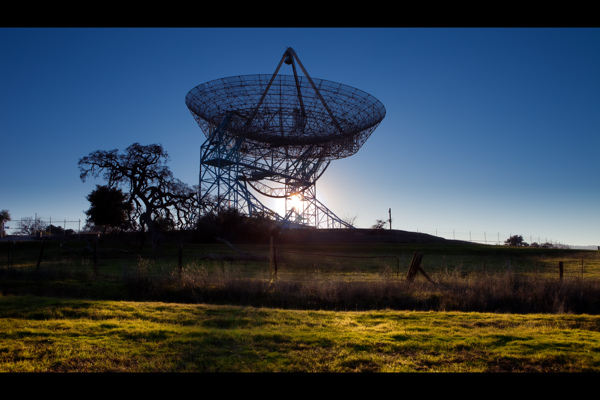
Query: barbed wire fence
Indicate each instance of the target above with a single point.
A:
(27, 227)
(38, 225)
(491, 238)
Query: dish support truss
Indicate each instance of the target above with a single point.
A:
(229, 177)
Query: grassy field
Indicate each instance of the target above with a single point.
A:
(61, 335)
(73, 307)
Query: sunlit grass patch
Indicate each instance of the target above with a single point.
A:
(94, 336)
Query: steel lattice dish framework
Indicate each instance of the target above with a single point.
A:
(282, 130)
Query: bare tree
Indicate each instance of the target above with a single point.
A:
(380, 224)
(154, 195)
(350, 220)
(30, 226)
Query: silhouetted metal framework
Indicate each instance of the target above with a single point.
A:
(276, 135)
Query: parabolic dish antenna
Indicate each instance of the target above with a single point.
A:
(277, 134)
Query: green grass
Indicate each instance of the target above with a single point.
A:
(492, 309)
(115, 257)
(59, 335)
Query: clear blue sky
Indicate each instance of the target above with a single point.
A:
(493, 130)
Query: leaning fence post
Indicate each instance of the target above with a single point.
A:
(414, 266)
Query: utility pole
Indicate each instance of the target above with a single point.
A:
(390, 212)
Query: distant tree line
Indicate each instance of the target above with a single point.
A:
(517, 240)
(32, 226)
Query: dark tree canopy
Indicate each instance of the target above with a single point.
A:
(108, 207)
(515, 240)
(4, 217)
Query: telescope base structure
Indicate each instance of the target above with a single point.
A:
(230, 178)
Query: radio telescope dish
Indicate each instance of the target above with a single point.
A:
(282, 130)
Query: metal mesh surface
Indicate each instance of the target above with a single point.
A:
(290, 119)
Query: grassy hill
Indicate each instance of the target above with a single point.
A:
(314, 302)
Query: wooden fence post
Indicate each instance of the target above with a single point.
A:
(41, 253)
(180, 259)
(560, 269)
(273, 261)
(95, 256)
(414, 266)
(8, 254)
